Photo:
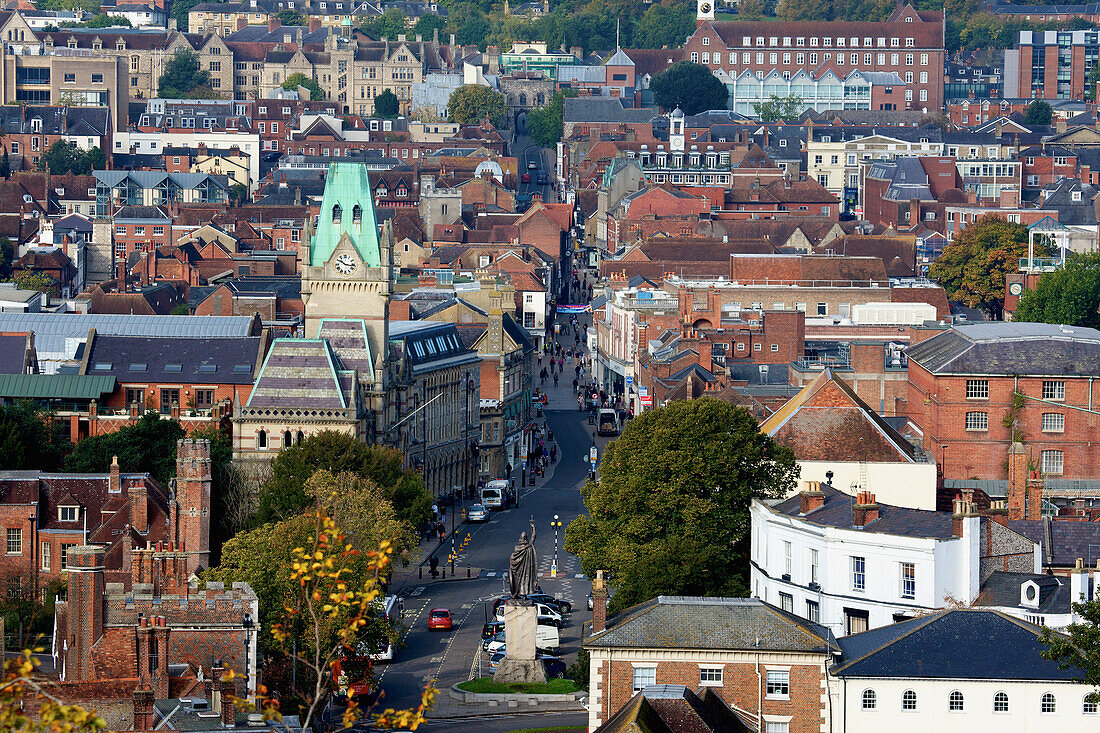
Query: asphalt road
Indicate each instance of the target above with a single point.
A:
(527, 152)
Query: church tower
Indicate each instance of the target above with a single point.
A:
(349, 272)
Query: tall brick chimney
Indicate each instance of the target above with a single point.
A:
(865, 510)
(143, 709)
(228, 706)
(193, 501)
(139, 502)
(160, 645)
(1025, 488)
(811, 497)
(963, 507)
(705, 349)
(85, 566)
(599, 603)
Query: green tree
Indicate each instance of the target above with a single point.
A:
(291, 17)
(31, 439)
(238, 192)
(665, 25)
(696, 466)
(753, 9)
(103, 20)
(1079, 648)
(470, 103)
(179, 11)
(283, 495)
(1070, 295)
(7, 255)
(147, 446)
(301, 80)
(5, 165)
(691, 87)
(972, 268)
(64, 157)
(1038, 112)
(31, 280)
(796, 10)
(546, 125)
(427, 25)
(386, 104)
(779, 108)
(388, 25)
(182, 76)
(1091, 81)
(469, 24)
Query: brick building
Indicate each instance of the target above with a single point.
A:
(46, 516)
(1050, 64)
(768, 663)
(909, 44)
(965, 382)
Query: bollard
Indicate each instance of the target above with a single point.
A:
(444, 573)
(421, 574)
(467, 572)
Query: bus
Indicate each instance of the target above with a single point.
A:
(352, 678)
(387, 608)
(607, 422)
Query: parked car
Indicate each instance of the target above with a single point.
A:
(549, 600)
(491, 629)
(492, 496)
(547, 639)
(542, 179)
(477, 513)
(525, 178)
(440, 620)
(546, 615)
(495, 660)
(555, 668)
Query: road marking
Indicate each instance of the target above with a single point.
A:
(467, 605)
(436, 659)
(491, 574)
(580, 576)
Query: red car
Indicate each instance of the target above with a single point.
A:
(525, 178)
(440, 620)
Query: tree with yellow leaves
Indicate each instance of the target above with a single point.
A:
(20, 684)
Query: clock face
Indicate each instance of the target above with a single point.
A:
(1016, 288)
(345, 264)
(705, 7)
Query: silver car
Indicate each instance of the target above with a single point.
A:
(477, 513)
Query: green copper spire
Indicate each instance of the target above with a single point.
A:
(346, 207)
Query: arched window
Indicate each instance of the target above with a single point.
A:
(261, 440)
(357, 214)
(523, 100)
(301, 437)
(286, 439)
(955, 701)
(870, 700)
(909, 700)
(1048, 704)
(1000, 702)
(337, 212)
(1088, 707)
(542, 99)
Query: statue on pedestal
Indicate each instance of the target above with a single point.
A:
(520, 665)
(523, 566)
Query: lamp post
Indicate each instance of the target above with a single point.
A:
(246, 622)
(556, 524)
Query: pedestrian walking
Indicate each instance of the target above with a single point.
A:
(576, 384)
(433, 564)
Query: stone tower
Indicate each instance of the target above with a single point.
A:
(350, 272)
(193, 501)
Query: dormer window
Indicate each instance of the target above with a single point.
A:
(357, 214)
(337, 212)
(381, 190)
(1029, 594)
(401, 191)
(68, 513)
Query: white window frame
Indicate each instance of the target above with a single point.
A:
(710, 676)
(1054, 389)
(858, 566)
(1053, 462)
(778, 680)
(1054, 422)
(14, 540)
(977, 421)
(977, 389)
(63, 510)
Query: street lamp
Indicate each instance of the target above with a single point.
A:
(246, 622)
(454, 510)
(556, 524)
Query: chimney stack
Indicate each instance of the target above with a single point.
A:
(865, 510)
(1018, 483)
(963, 510)
(116, 479)
(599, 603)
(143, 708)
(1080, 583)
(811, 497)
(139, 503)
(229, 706)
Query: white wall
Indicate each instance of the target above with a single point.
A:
(151, 143)
(941, 568)
(910, 485)
(932, 714)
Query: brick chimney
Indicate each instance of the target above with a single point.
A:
(314, 24)
(705, 349)
(963, 507)
(229, 707)
(116, 480)
(811, 497)
(143, 709)
(85, 609)
(192, 497)
(865, 510)
(139, 502)
(160, 643)
(1025, 489)
(599, 603)
(273, 23)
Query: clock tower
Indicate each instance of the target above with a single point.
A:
(348, 273)
(704, 10)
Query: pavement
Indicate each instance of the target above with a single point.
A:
(452, 657)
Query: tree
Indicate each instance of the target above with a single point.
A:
(31, 280)
(1038, 112)
(182, 76)
(238, 192)
(1070, 295)
(30, 439)
(1091, 80)
(779, 108)
(301, 80)
(64, 157)
(427, 25)
(103, 20)
(664, 25)
(469, 24)
(19, 682)
(546, 125)
(470, 103)
(284, 495)
(291, 17)
(388, 25)
(972, 268)
(5, 165)
(691, 87)
(180, 9)
(149, 445)
(7, 254)
(386, 104)
(694, 465)
(753, 9)
(796, 10)
(1079, 648)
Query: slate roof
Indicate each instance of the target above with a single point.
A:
(954, 644)
(299, 374)
(1062, 541)
(1014, 347)
(892, 520)
(174, 360)
(600, 109)
(669, 708)
(685, 622)
(348, 339)
(1002, 589)
(827, 420)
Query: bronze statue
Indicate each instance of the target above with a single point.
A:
(523, 567)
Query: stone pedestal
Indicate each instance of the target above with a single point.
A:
(519, 665)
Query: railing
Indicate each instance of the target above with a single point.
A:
(1040, 264)
(822, 362)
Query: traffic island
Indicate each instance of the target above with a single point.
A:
(553, 695)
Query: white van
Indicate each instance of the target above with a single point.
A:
(546, 637)
(492, 496)
(546, 615)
